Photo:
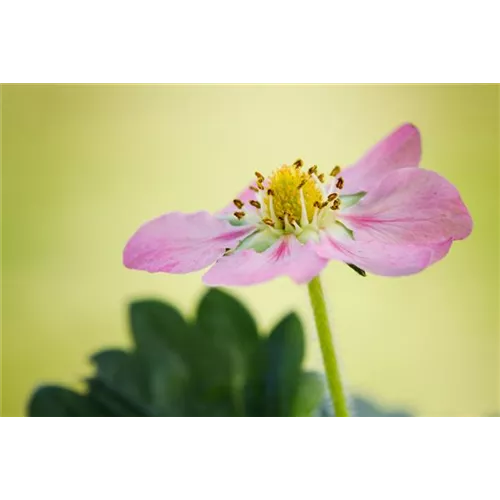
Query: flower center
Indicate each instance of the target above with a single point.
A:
(292, 200)
(284, 192)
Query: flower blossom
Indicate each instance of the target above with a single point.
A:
(384, 214)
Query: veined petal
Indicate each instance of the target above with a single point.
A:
(381, 258)
(400, 149)
(286, 257)
(181, 243)
(409, 206)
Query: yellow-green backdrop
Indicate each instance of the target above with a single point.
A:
(83, 166)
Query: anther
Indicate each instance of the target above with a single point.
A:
(270, 192)
(336, 205)
(340, 183)
(239, 215)
(324, 204)
(238, 203)
(335, 171)
(259, 176)
(313, 170)
(268, 221)
(332, 196)
(255, 204)
(260, 185)
(316, 204)
(321, 177)
(302, 184)
(298, 163)
(253, 188)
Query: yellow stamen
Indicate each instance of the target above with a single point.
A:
(285, 186)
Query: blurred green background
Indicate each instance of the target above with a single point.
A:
(84, 166)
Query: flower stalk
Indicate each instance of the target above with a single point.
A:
(323, 327)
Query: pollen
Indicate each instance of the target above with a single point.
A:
(284, 189)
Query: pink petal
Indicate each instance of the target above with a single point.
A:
(245, 196)
(381, 258)
(410, 206)
(181, 243)
(247, 267)
(400, 149)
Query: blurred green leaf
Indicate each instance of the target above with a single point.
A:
(158, 327)
(255, 388)
(115, 401)
(125, 372)
(121, 382)
(285, 350)
(108, 363)
(217, 366)
(228, 324)
(54, 401)
(310, 393)
(163, 340)
(229, 338)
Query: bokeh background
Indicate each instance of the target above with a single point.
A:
(84, 166)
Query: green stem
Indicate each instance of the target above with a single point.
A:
(318, 303)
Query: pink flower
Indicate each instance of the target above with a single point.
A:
(383, 214)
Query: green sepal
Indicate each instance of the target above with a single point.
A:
(259, 241)
(349, 232)
(349, 200)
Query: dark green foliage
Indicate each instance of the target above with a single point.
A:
(217, 365)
